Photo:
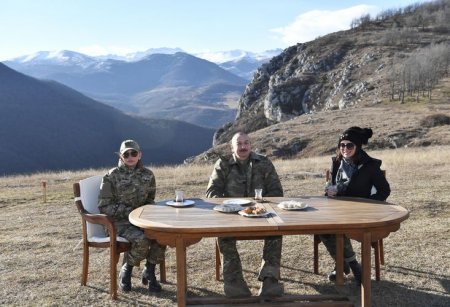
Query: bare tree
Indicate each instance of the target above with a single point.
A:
(422, 71)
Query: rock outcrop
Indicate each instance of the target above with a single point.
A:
(345, 69)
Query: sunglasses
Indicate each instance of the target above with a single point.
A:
(132, 153)
(349, 146)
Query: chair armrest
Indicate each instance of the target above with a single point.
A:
(104, 220)
(95, 218)
(98, 218)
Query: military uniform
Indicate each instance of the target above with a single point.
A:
(233, 178)
(122, 191)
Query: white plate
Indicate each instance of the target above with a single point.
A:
(185, 203)
(228, 208)
(265, 214)
(292, 205)
(237, 201)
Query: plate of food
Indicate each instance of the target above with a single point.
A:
(180, 204)
(237, 201)
(228, 208)
(292, 205)
(254, 211)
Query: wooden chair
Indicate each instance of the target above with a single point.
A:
(86, 199)
(377, 245)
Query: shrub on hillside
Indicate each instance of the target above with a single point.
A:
(435, 120)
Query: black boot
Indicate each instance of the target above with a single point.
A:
(332, 275)
(125, 277)
(148, 277)
(357, 272)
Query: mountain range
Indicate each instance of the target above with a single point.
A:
(161, 83)
(48, 126)
(390, 72)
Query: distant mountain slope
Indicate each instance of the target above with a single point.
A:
(143, 87)
(244, 67)
(48, 126)
(399, 55)
(240, 62)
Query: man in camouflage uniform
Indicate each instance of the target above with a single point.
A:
(239, 176)
(125, 188)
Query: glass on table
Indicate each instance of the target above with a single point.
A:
(258, 195)
(179, 196)
(331, 190)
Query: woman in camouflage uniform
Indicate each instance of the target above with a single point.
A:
(125, 188)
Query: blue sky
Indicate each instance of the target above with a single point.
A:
(97, 27)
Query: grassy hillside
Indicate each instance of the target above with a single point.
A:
(45, 125)
(40, 263)
(309, 135)
(398, 55)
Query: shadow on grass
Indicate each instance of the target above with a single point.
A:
(384, 292)
(444, 280)
(388, 293)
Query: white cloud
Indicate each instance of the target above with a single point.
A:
(312, 24)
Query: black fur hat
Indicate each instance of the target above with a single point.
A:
(356, 135)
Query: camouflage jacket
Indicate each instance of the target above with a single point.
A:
(230, 179)
(124, 190)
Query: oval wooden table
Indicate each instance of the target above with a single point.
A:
(357, 218)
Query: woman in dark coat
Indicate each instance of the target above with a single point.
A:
(354, 174)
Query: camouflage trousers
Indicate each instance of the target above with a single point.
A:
(231, 263)
(330, 243)
(141, 247)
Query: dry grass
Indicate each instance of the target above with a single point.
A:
(39, 265)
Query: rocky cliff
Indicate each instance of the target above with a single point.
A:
(353, 68)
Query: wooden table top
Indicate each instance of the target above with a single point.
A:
(361, 219)
(322, 214)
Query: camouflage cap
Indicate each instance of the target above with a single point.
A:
(129, 144)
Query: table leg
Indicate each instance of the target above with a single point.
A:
(366, 299)
(181, 272)
(340, 259)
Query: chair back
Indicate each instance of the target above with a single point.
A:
(89, 191)
(374, 190)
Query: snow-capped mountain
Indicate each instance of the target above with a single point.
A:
(236, 55)
(139, 55)
(240, 62)
(62, 57)
(158, 85)
(145, 82)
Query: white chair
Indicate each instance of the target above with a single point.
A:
(94, 223)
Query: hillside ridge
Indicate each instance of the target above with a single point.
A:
(399, 55)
